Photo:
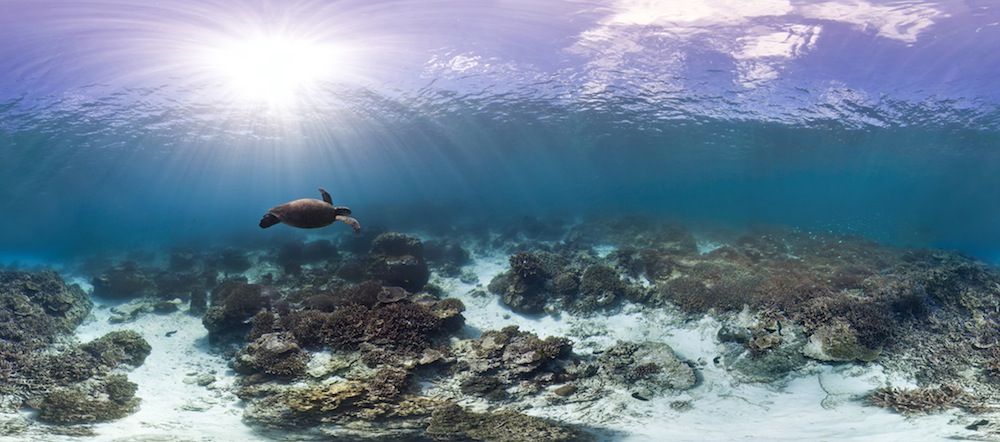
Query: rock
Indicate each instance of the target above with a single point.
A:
(204, 379)
(647, 369)
(275, 354)
(510, 359)
(838, 342)
(406, 271)
(734, 333)
(468, 277)
(565, 390)
(131, 310)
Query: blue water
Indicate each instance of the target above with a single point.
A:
(883, 123)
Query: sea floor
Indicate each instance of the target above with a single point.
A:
(189, 391)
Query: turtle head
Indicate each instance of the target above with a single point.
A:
(342, 211)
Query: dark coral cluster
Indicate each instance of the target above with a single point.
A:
(398, 260)
(35, 308)
(452, 423)
(541, 280)
(921, 400)
(41, 368)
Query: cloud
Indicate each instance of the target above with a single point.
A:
(657, 31)
(903, 22)
(696, 15)
(759, 57)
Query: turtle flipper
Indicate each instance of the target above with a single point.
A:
(341, 210)
(268, 220)
(326, 196)
(351, 222)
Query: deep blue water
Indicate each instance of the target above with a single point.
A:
(881, 122)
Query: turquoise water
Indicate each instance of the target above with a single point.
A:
(116, 131)
(80, 187)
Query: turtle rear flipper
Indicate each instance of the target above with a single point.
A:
(351, 222)
(269, 220)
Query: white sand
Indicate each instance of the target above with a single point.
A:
(172, 409)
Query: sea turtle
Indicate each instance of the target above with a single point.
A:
(309, 213)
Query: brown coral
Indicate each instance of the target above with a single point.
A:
(920, 400)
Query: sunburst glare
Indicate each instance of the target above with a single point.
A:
(274, 69)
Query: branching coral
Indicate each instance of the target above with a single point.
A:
(233, 303)
(345, 328)
(401, 326)
(94, 401)
(124, 346)
(920, 400)
(527, 266)
(455, 423)
(600, 286)
(36, 307)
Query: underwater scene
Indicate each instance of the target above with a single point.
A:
(499, 220)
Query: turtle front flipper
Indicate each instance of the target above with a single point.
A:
(269, 220)
(351, 222)
(326, 196)
(341, 210)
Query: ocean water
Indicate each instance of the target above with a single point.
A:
(853, 137)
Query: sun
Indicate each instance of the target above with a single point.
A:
(277, 70)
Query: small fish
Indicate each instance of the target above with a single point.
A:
(170, 333)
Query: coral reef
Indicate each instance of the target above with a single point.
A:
(119, 347)
(40, 368)
(354, 341)
(229, 260)
(543, 281)
(398, 260)
(232, 303)
(454, 424)
(447, 257)
(125, 280)
(511, 361)
(109, 399)
(523, 287)
(647, 369)
(921, 400)
(37, 307)
(275, 354)
(600, 286)
(292, 255)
